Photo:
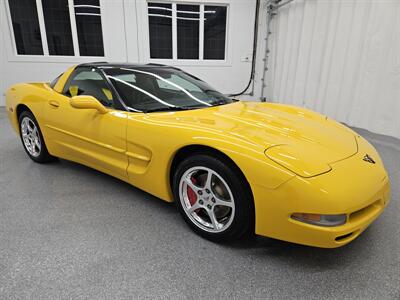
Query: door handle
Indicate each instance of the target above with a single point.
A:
(54, 103)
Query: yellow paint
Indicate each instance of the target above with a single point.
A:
(87, 102)
(295, 160)
(73, 90)
(108, 93)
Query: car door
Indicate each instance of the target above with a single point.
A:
(85, 135)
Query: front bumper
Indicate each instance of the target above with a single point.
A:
(354, 187)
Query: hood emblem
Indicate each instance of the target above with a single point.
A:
(369, 159)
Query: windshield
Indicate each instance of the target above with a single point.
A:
(158, 89)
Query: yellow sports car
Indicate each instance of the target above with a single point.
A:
(232, 167)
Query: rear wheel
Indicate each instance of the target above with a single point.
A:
(32, 138)
(213, 198)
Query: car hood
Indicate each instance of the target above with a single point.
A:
(298, 139)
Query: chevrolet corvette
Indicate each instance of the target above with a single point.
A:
(232, 167)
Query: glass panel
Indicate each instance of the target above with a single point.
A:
(214, 32)
(88, 26)
(58, 27)
(54, 81)
(160, 30)
(89, 82)
(188, 31)
(176, 82)
(26, 27)
(162, 88)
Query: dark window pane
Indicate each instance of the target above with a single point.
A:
(88, 82)
(160, 30)
(26, 27)
(87, 6)
(88, 26)
(58, 27)
(158, 88)
(188, 31)
(214, 32)
(54, 81)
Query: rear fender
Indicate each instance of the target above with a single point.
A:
(31, 95)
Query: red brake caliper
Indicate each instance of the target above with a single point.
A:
(191, 194)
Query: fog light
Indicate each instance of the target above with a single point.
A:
(321, 220)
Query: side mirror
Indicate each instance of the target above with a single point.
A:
(87, 102)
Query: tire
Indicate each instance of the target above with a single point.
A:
(206, 186)
(31, 134)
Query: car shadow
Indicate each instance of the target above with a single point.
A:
(109, 182)
(307, 257)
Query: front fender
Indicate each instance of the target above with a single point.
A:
(257, 168)
(152, 146)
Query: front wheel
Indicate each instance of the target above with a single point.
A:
(213, 198)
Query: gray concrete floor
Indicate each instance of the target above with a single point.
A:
(67, 231)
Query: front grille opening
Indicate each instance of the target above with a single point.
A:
(343, 237)
(366, 210)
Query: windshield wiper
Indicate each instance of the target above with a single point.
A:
(171, 108)
(217, 103)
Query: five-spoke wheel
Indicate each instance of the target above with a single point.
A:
(213, 197)
(32, 138)
(207, 199)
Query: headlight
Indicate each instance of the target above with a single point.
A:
(321, 220)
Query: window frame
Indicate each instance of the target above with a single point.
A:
(53, 83)
(187, 62)
(46, 57)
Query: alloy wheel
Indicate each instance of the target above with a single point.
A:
(31, 137)
(207, 199)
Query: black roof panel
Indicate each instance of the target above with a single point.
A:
(104, 64)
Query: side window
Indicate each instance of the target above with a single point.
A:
(54, 81)
(89, 82)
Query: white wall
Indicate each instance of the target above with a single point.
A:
(125, 32)
(230, 76)
(27, 68)
(341, 58)
(2, 59)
